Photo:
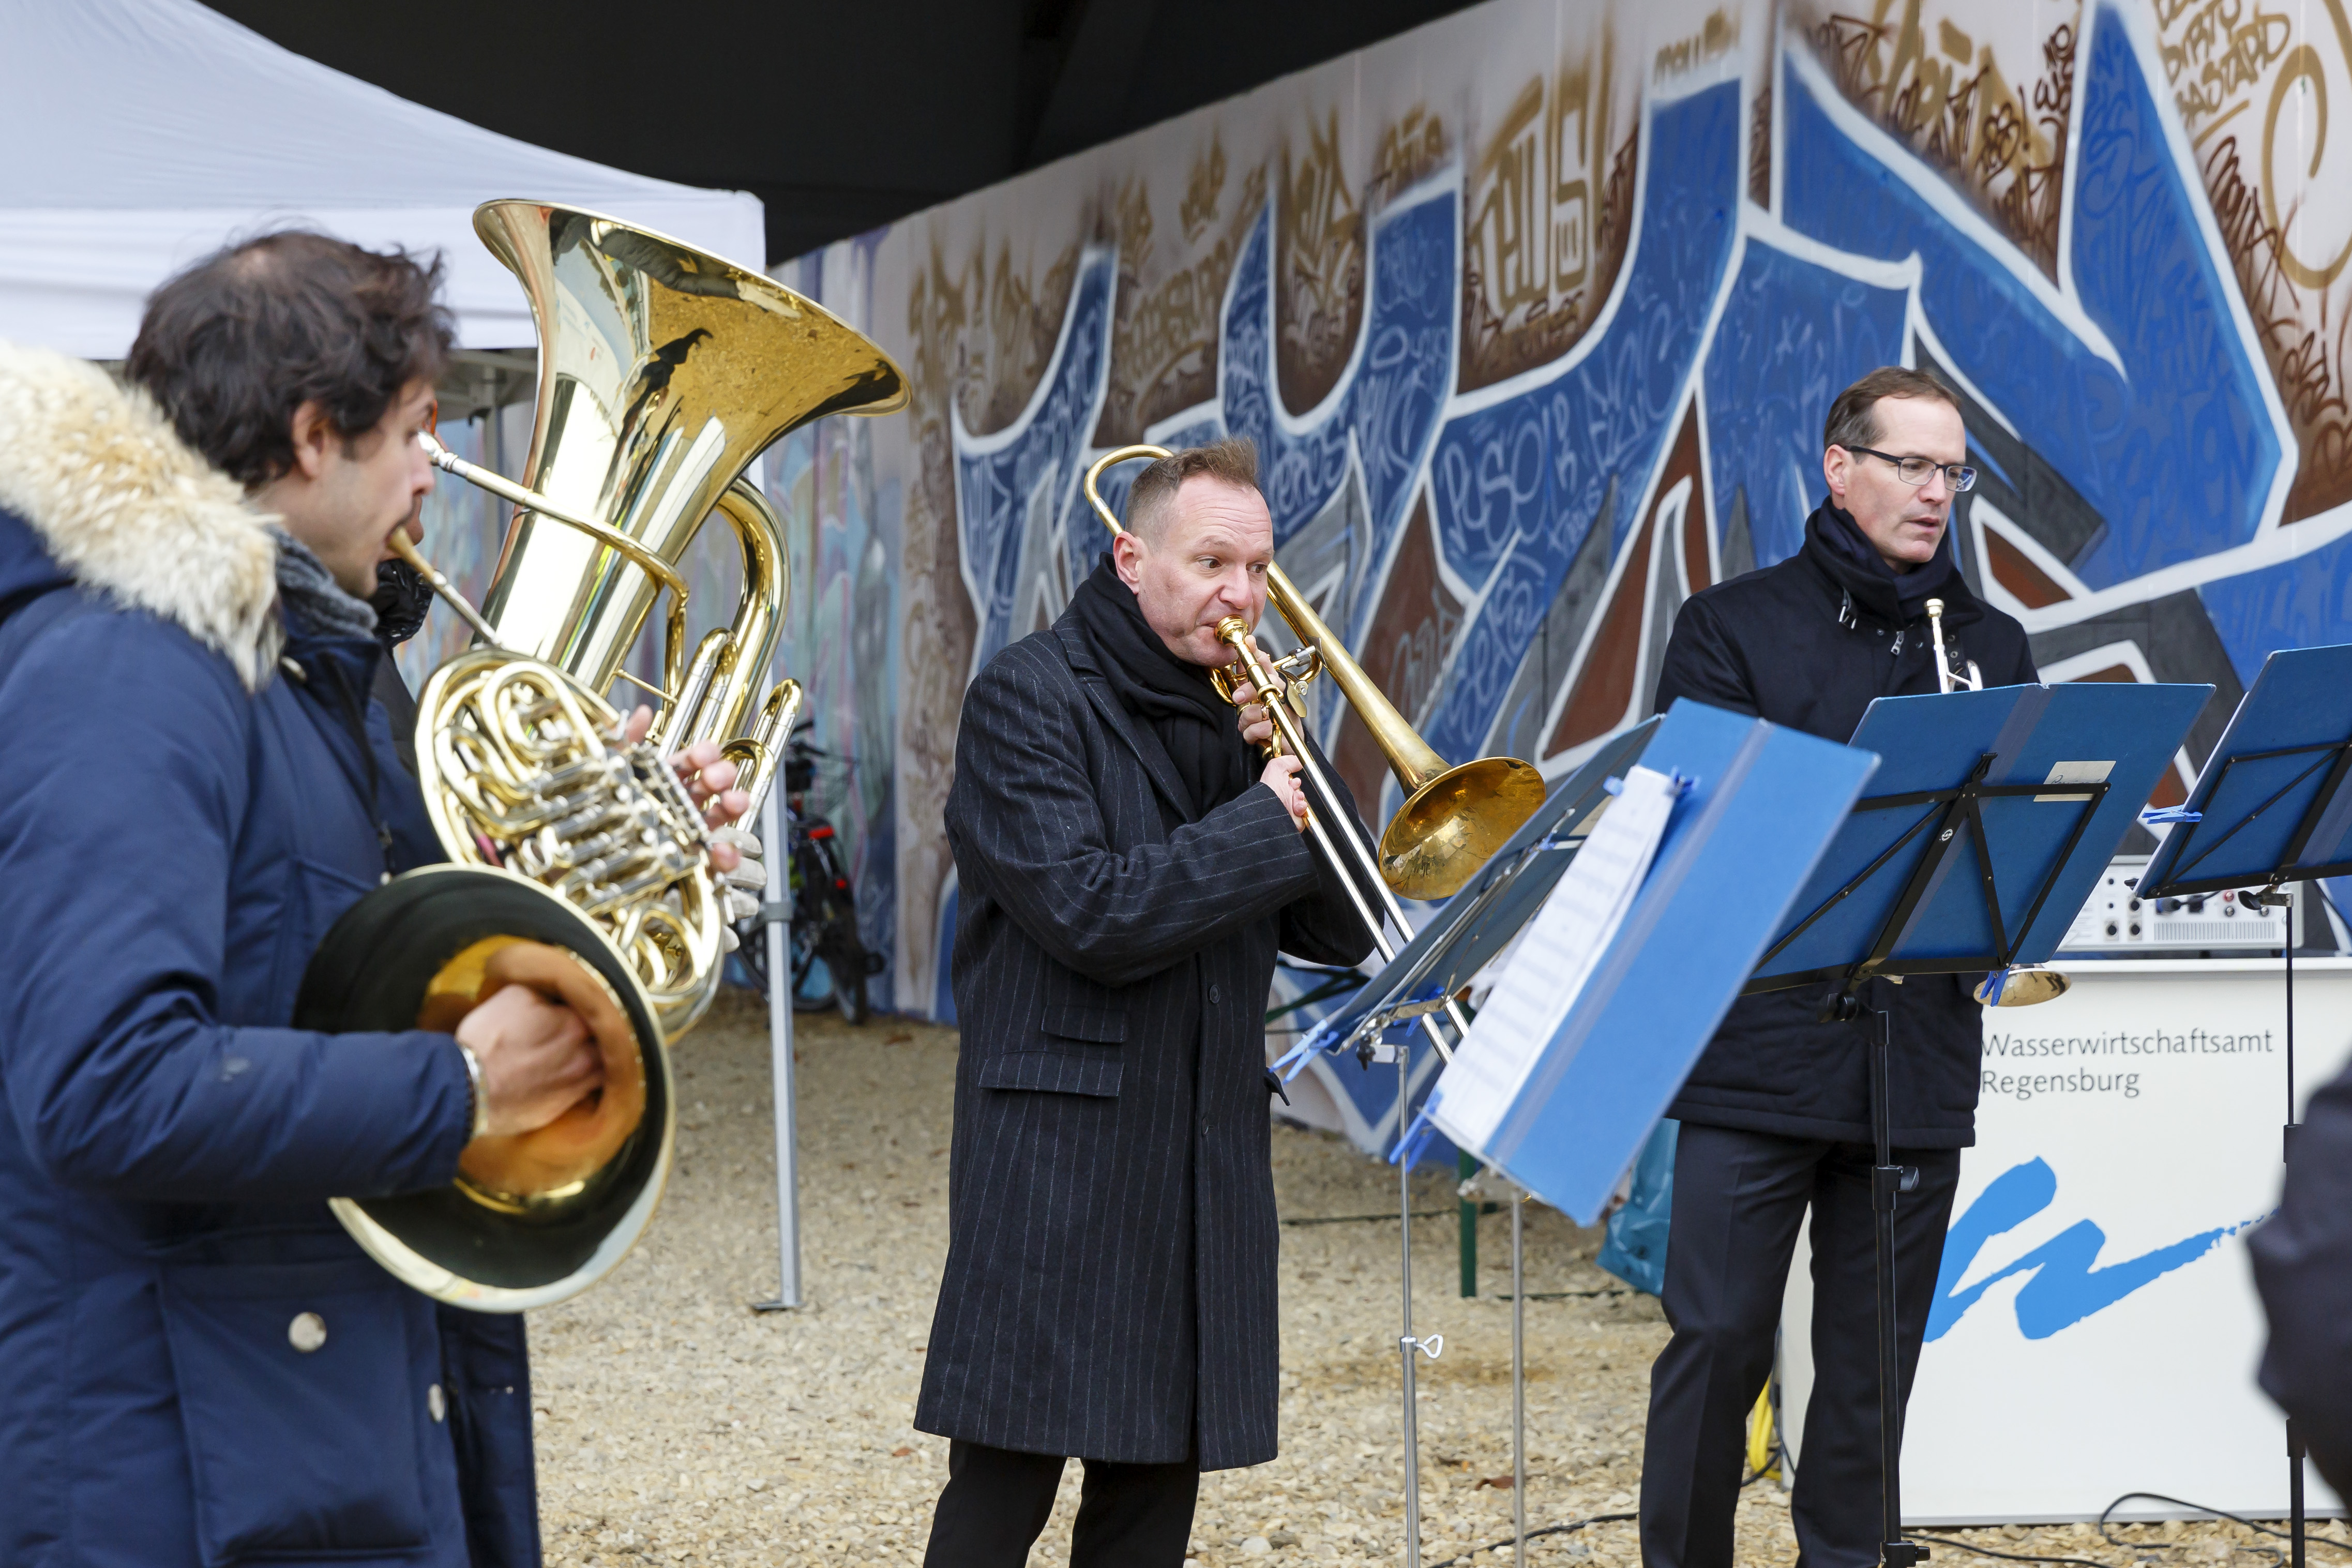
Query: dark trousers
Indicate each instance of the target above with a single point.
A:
(995, 1502)
(1738, 1200)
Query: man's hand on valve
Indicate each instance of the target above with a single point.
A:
(710, 779)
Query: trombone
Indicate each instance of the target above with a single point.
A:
(1453, 818)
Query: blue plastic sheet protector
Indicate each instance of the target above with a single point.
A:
(1751, 807)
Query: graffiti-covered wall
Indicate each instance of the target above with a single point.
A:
(1534, 315)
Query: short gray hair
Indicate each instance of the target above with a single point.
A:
(1232, 462)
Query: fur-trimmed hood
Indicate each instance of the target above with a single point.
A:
(122, 504)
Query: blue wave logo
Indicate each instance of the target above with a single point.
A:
(2067, 1283)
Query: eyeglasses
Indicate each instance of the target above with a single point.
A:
(1918, 470)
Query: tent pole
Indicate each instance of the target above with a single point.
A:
(775, 931)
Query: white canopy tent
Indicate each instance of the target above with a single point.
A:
(143, 134)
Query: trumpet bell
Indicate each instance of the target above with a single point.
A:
(534, 1219)
(1453, 825)
(2023, 985)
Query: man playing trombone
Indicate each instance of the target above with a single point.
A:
(1127, 869)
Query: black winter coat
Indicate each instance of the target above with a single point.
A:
(1810, 643)
(2302, 1267)
(1110, 1288)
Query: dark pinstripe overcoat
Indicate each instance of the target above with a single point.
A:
(1110, 1274)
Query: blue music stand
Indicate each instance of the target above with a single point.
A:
(1479, 920)
(1428, 970)
(2271, 807)
(1760, 803)
(2000, 810)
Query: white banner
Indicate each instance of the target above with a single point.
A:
(2096, 1330)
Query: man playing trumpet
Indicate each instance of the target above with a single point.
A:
(1776, 1116)
(1127, 869)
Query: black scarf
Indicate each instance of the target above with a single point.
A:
(1838, 547)
(1199, 728)
(401, 601)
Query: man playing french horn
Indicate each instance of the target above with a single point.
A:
(198, 1364)
(1127, 867)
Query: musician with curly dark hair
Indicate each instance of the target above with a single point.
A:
(198, 1364)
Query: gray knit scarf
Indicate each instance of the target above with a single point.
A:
(306, 588)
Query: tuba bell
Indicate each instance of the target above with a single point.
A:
(579, 865)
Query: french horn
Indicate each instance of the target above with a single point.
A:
(579, 864)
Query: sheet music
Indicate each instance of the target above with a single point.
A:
(1549, 961)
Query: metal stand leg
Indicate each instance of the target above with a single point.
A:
(1886, 1184)
(1406, 1343)
(780, 1057)
(2285, 900)
(2295, 1492)
(1518, 1379)
(1466, 1222)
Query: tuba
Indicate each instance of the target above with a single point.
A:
(579, 865)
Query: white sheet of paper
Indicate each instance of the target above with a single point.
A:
(1549, 963)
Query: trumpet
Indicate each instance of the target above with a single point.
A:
(1974, 679)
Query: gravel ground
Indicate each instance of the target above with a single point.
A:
(677, 1426)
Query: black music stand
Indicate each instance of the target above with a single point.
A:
(1992, 802)
(2271, 807)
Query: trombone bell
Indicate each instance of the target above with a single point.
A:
(1453, 825)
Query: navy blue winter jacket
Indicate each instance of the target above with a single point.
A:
(185, 807)
(1811, 644)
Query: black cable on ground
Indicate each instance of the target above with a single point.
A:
(1547, 1530)
(2202, 1507)
(1952, 1538)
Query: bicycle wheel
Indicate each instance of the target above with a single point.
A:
(811, 880)
(836, 933)
(847, 966)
